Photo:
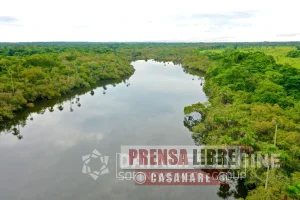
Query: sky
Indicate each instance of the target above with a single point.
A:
(149, 20)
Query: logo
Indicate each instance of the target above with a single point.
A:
(191, 157)
(95, 155)
(140, 178)
(190, 165)
(175, 177)
(181, 165)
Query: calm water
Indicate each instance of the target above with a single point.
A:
(46, 163)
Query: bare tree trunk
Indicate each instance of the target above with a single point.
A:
(18, 73)
(76, 73)
(275, 135)
(267, 178)
(68, 75)
(12, 83)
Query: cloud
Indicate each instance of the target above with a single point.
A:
(288, 35)
(224, 39)
(156, 20)
(224, 16)
(8, 19)
(215, 22)
(69, 139)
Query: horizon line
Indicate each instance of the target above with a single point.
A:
(187, 42)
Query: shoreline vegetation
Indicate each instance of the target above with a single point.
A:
(254, 102)
(253, 90)
(33, 73)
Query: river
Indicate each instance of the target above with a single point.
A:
(45, 162)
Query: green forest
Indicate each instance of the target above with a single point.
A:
(253, 90)
(254, 102)
(29, 73)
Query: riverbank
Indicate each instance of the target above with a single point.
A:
(254, 102)
(41, 105)
(25, 79)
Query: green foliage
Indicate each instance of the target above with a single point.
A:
(29, 73)
(261, 194)
(293, 190)
(293, 54)
(201, 108)
(250, 94)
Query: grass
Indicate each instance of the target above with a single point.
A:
(279, 53)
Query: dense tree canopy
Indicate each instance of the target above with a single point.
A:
(46, 72)
(251, 96)
(293, 54)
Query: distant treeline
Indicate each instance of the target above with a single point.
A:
(9, 49)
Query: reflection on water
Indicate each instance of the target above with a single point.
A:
(235, 189)
(192, 119)
(70, 100)
(41, 149)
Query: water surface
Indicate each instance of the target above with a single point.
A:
(46, 163)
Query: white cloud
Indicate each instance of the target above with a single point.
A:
(155, 20)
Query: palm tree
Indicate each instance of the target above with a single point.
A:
(20, 137)
(60, 107)
(224, 191)
(71, 102)
(10, 73)
(18, 66)
(68, 69)
(51, 109)
(127, 82)
(15, 131)
(11, 80)
(76, 72)
(275, 122)
(77, 98)
(77, 101)
(201, 81)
